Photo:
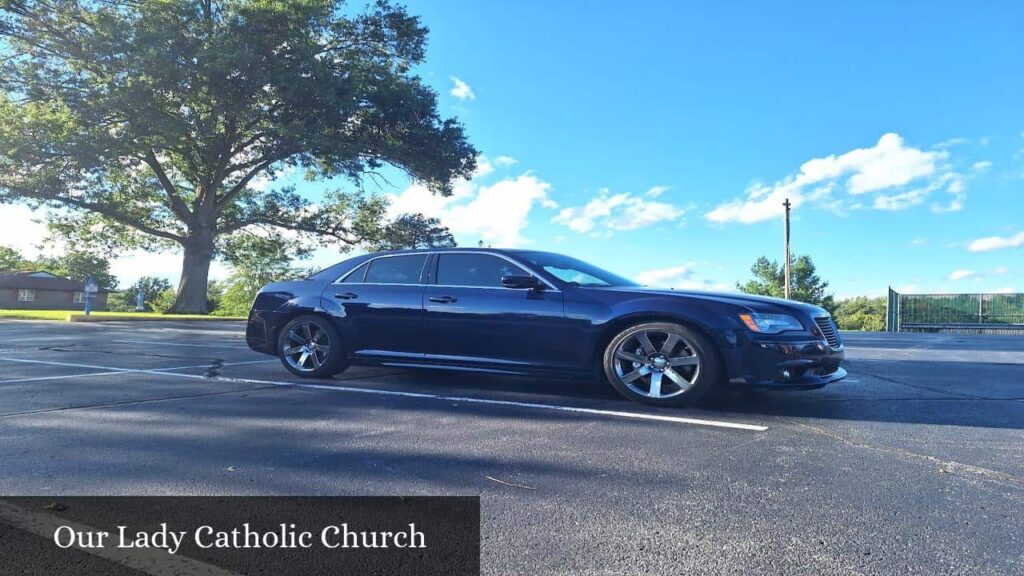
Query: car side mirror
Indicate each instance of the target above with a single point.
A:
(529, 282)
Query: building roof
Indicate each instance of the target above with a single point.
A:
(40, 280)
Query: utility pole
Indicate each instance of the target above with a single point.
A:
(786, 288)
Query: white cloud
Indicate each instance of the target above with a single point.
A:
(461, 90)
(622, 211)
(133, 265)
(961, 274)
(656, 191)
(497, 213)
(1004, 290)
(22, 232)
(678, 277)
(996, 243)
(483, 167)
(919, 242)
(951, 143)
(884, 170)
(981, 166)
(23, 228)
(1000, 270)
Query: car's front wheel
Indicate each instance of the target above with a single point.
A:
(661, 363)
(310, 347)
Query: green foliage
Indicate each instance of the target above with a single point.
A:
(151, 288)
(147, 123)
(255, 261)
(11, 259)
(412, 231)
(861, 313)
(164, 301)
(79, 265)
(770, 277)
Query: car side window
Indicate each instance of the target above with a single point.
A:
(396, 269)
(357, 275)
(483, 270)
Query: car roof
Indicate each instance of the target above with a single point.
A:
(457, 249)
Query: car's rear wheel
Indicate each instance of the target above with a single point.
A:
(310, 347)
(661, 363)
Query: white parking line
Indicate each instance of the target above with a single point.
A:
(428, 396)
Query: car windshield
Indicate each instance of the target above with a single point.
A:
(575, 272)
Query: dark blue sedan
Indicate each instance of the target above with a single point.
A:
(539, 313)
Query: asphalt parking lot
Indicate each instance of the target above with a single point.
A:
(913, 465)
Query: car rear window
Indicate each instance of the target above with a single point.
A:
(396, 269)
(357, 275)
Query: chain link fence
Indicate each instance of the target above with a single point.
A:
(959, 313)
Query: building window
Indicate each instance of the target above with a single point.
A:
(26, 295)
(79, 298)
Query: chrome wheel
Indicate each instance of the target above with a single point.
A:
(306, 346)
(657, 364)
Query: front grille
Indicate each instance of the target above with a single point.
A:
(828, 330)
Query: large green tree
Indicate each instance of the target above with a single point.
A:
(769, 280)
(159, 123)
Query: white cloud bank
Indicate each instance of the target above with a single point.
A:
(961, 274)
(996, 243)
(623, 211)
(892, 175)
(23, 228)
(461, 90)
(497, 213)
(22, 232)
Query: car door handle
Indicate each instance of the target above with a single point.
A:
(346, 295)
(444, 299)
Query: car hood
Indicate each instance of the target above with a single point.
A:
(753, 302)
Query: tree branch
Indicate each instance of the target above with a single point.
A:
(239, 187)
(177, 204)
(117, 217)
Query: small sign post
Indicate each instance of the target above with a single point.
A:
(90, 293)
(140, 302)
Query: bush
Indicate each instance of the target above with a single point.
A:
(861, 313)
(164, 301)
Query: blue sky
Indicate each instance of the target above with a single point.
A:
(712, 100)
(657, 139)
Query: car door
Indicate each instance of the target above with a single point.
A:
(378, 307)
(471, 319)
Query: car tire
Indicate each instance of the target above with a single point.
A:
(310, 347)
(662, 364)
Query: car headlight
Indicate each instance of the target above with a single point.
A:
(770, 323)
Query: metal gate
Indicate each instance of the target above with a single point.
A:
(963, 313)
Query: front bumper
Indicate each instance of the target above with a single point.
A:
(784, 363)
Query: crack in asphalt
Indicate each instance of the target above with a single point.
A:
(947, 465)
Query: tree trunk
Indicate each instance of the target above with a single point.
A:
(195, 274)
